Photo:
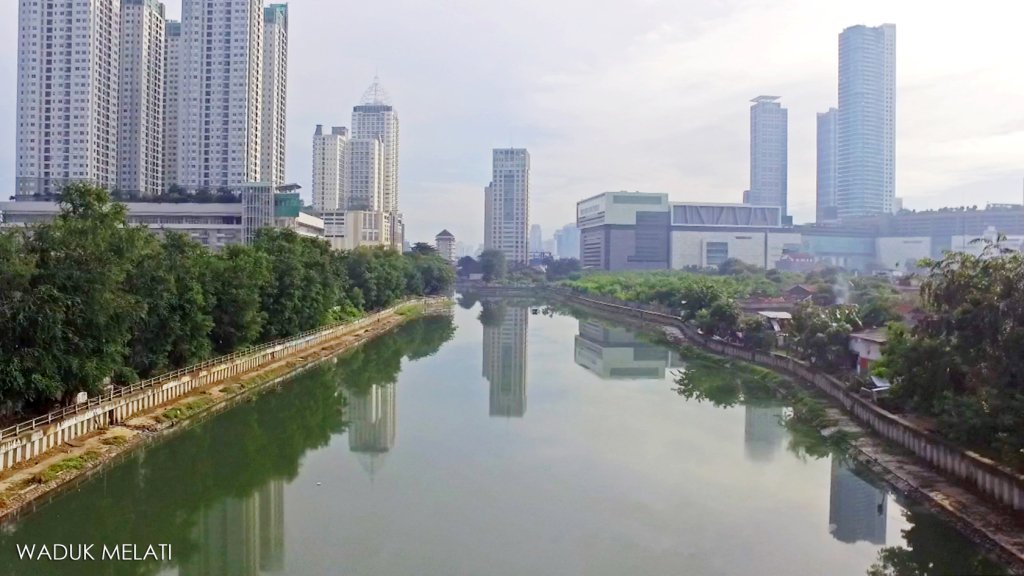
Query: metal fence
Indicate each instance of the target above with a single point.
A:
(120, 392)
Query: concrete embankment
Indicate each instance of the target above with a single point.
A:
(983, 499)
(51, 452)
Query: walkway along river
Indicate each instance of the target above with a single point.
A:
(497, 442)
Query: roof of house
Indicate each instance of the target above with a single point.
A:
(878, 335)
(445, 234)
(774, 315)
(806, 287)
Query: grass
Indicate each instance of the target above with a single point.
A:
(114, 441)
(185, 410)
(72, 463)
(410, 311)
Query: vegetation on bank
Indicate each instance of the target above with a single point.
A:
(88, 299)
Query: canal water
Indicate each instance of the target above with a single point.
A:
(505, 440)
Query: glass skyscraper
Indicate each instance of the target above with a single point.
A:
(769, 153)
(866, 136)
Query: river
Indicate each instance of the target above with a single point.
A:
(499, 441)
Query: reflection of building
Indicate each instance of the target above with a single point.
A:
(504, 348)
(615, 353)
(372, 423)
(240, 536)
(763, 432)
(857, 509)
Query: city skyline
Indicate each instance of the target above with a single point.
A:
(950, 153)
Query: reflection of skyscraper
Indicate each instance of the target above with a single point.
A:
(505, 363)
(271, 511)
(857, 509)
(372, 422)
(615, 353)
(763, 433)
(240, 536)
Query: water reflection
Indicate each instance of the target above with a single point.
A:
(372, 420)
(504, 357)
(240, 536)
(857, 508)
(616, 353)
(764, 433)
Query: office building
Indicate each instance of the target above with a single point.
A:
(866, 121)
(536, 238)
(445, 242)
(567, 242)
(329, 175)
(275, 93)
(376, 119)
(364, 168)
(69, 54)
(140, 143)
(826, 181)
(172, 100)
(221, 93)
(507, 204)
(769, 154)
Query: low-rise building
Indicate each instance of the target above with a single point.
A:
(445, 242)
(867, 346)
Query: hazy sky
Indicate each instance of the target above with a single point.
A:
(648, 95)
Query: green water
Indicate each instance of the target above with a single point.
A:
(507, 443)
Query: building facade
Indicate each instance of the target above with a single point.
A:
(364, 168)
(376, 119)
(866, 121)
(567, 241)
(445, 242)
(172, 100)
(536, 238)
(329, 175)
(275, 93)
(221, 93)
(507, 204)
(769, 153)
(825, 209)
(140, 145)
(69, 54)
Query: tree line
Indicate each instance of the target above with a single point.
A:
(87, 300)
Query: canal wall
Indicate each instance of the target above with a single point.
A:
(32, 438)
(990, 479)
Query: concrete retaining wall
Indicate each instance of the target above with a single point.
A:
(998, 483)
(28, 440)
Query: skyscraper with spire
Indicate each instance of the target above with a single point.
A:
(374, 118)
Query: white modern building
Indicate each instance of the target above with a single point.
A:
(364, 168)
(866, 121)
(826, 181)
(507, 204)
(172, 100)
(350, 229)
(69, 54)
(275, 93)
(212, 225)
(375, 119)
(329, 172)
(445, 242)
(219, 139)
(769, 153)
(140, 156)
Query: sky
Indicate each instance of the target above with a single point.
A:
(639, 95)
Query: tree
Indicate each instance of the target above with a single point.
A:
(756, 334)
(239, 276)
(468, 265)
(493, 265)
(435, 274)
(562, 268)
(735, 266)
(423, 249)
(821, 335)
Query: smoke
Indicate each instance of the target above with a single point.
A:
(841, 289)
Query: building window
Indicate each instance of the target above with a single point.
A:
(716, 253)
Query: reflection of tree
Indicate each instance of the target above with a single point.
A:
(380, 361)
(723, 382)
(931, 551)
(493, 313)
(467, 300)
(161, 494)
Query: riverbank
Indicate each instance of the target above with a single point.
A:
(992, 527)
(32, 482)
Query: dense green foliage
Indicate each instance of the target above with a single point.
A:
(821, 335)
(493, 265)
(670, 289)
(964, 361)
(87, 298)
